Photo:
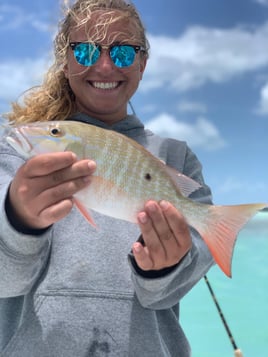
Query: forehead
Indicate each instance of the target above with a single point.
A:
(105, 27)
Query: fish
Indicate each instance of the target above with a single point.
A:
(128, 175)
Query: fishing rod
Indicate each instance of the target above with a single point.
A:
(237, 351)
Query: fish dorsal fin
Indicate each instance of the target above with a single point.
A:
(185, 184)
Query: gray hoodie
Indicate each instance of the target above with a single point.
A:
(75, 291)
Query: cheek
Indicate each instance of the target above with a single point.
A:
(134, 72)
(142, 66)
(139, 72)
(75, 74)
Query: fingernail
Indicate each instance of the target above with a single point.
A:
(74, 156)
(143, 217)
(136, 247)
(152, 207)
(92, 165)
(164, 205)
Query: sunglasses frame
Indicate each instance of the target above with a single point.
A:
(136, 48)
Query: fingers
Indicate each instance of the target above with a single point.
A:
(51, 171)
(55, 168)
(45, 164)
(143, 257)
(55, 212)
(69, 179)
(166, 236)
(177, 224)
(42, 190)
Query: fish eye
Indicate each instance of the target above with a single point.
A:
(56, 132)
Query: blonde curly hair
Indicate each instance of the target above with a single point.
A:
(54, 99)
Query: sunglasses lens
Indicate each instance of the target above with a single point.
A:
(86, 54)
(122, 56)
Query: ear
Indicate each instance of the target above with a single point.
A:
(143, 63)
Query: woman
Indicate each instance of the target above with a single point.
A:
(67, 289)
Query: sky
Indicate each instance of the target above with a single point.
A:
(206, 80)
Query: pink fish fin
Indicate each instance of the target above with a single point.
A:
(185, 184)
(221, 228)
(84, 212)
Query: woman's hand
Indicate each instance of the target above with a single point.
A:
(42, 190)
(166, 236)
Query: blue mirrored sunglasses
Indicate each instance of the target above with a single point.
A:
(87, 54)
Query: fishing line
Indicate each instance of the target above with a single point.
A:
(132, 108)
(237, 352)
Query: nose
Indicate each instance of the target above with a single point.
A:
(105, 63)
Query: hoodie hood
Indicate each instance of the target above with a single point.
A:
(130, 126)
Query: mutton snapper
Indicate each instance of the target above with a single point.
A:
(127, 176)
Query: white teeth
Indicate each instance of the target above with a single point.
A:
(105, 85)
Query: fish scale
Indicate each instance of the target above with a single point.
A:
(127, 176)
(108, 165)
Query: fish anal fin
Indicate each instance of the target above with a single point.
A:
(185, 184)
(84, 212)
(221, 228)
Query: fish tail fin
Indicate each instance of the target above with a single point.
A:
(221, 228)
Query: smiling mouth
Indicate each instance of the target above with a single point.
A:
(105, 85)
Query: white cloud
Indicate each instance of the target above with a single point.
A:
(263, 103)
(262, 2)
(191, 107)
(203, 55)
(13, 17)
(200, 134)
(23, 73)
(16, 77)
(232, 184)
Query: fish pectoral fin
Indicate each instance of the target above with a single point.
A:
(84, 212)
(185, 184)
(221, 228)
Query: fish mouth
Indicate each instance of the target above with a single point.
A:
(17, 139)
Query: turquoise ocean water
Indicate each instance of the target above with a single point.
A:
(243, 300)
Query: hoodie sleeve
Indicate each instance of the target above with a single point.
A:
(22, 256)
(165, 288)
